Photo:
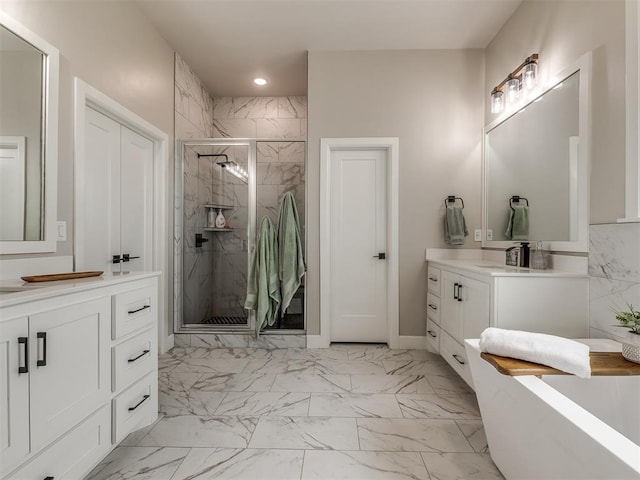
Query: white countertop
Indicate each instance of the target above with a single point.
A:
(491, 268)
(14, 292)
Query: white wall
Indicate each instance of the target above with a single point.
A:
(111, 46)
(433, 101)
(561, 31)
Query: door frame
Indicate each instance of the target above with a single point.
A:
(391, 146)
(86, 96)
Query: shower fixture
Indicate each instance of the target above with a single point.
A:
(229, 165)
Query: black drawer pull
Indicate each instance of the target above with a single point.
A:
(131, 409)
(24, 341)
(455, 290)
(48, 478)
(460, 292)
(458, 360)
(144, 352)
(131, 312)
(433, 279)
(430, 332)
(432, 306)
(42, 336)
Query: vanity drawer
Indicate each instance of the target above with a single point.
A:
(133, 310)
(455, 355)
(135, 407)
(433, 280)
(433, 307)
(132, 359)
(74, 454)
(433, 336)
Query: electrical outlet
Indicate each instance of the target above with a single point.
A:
(477, 235)
(489, 234)
(61, 232)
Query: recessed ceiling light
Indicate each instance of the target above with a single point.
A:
(259, 81)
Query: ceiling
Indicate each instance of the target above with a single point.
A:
(227, 43)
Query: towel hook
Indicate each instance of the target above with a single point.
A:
(517, 199)
(452, 199)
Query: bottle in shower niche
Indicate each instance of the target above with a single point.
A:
(220, 220)
(211, 218)
(538, 261)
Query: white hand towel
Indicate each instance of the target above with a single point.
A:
(557, 352)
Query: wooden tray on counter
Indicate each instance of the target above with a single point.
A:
(602, 364)
(60, 276)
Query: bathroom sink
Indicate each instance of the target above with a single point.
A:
(16, 289)
(504, 268)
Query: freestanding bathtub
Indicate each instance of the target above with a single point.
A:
(559, 427)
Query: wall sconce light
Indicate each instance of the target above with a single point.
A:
(523, 77)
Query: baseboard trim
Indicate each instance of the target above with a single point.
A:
(317, 341)
(412, 343)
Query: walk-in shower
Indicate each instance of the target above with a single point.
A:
(224, 187)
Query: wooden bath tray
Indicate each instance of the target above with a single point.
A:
(602, 364)
(60, 276)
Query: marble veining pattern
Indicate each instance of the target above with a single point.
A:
(256, 413)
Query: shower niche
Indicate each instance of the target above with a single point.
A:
(226, 187)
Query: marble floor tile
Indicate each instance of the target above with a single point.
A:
(306, 433)
(265, 403)
(414, 367)
(461, 466)
(133, 439)
(211, 365)
(385, 353)
(176, 381)
(139, 463)
(304, 382)
(390, 384)
(356, 367)
(317, 354)
(277, 365)
(189, 402)
(474, 431)
(351, 465)
(197, 431)
(460, 407)
(411, 435)
(235, 382)
(354, 405)
(448, 385)
(240, 464)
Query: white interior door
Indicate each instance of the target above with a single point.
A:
(358, 236)
(12, 187)
(118, 210)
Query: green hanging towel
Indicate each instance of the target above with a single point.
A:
(290, 253)
(263, 287)
(518, 226)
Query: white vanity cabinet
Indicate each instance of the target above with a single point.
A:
(473, 296)
(64, 373)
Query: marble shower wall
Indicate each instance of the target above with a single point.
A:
(614, 275)
(193, 104)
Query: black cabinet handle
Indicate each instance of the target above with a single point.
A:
(144, 352)
(460, 292)
(430, 332)
(432, 306)
(131, 312)
(42, 336)
(48, 478)
(458, 360)
(126, 257)
(455, 291)
(131, 409)
(24, 341)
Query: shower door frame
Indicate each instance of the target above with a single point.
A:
(181, 145)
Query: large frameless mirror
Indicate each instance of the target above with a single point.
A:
(28, 140)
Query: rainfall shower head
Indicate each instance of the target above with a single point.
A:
(229, 165)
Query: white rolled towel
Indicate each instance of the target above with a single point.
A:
(557, 352)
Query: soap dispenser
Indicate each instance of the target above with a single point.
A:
(524, 254)
(538, 261)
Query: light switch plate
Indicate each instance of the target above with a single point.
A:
(61, 231)
(477, 235)
(489, 234)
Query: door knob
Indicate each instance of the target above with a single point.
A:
(126, 257)
(381, 256)
(116, 259)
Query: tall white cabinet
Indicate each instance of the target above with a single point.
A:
(80, 373)
(466, 297)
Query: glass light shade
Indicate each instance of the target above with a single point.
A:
(529, 76)
(497, 101)
(513, 90)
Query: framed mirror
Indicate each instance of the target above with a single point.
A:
(535, 168)
(28, 140)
